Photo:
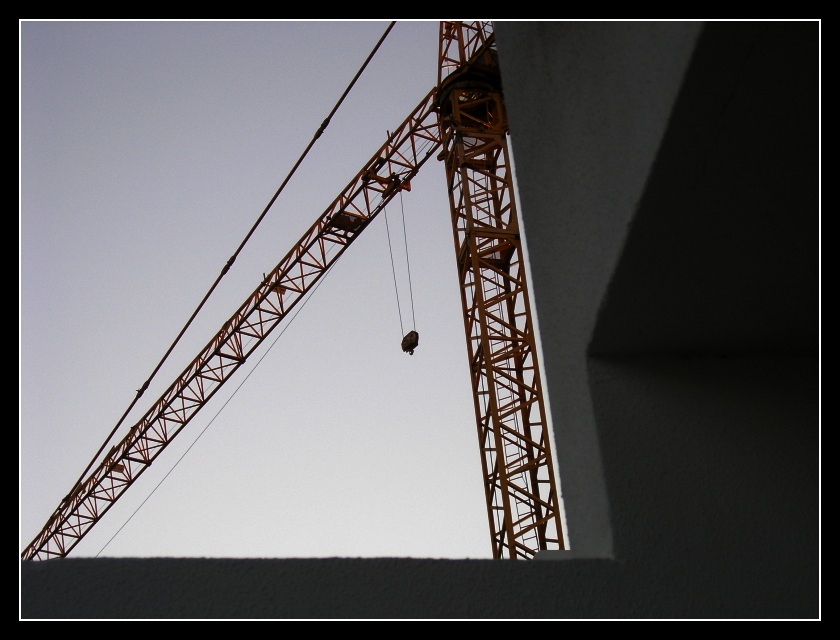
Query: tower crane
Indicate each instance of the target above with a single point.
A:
(462, 122)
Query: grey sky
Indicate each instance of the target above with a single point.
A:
(147, 151)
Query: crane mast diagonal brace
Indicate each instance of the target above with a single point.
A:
(514, 437)
(388, 172)
(464, 114)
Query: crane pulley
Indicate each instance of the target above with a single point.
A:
(410, 342)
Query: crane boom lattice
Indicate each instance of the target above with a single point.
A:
(386, 173)
(464, 119)
(513, 433)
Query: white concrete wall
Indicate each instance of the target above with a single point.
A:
(588, 107)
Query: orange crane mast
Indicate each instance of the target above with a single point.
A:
(463, 121)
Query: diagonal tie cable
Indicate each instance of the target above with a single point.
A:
(232, 259)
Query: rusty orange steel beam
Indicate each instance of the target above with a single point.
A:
(511, 418)
(389, 170)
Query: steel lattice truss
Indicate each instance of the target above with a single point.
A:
(389, 170)
(465, 114)
(514, 437)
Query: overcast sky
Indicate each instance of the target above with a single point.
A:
(147, 152)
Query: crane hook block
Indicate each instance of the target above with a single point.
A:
(410, 342)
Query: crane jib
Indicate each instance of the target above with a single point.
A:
(389, 171)
(463, 117)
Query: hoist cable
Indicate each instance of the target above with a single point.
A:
(213, 419)
(394, 271)
(231, 260)
(407, 265)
